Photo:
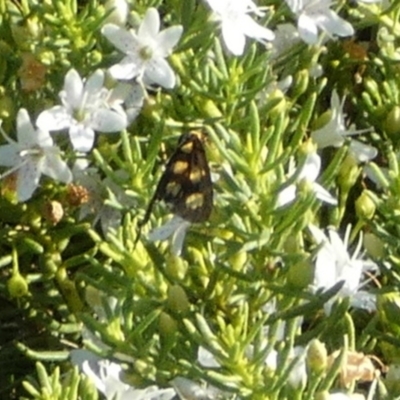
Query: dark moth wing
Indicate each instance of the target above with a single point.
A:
(186, 183)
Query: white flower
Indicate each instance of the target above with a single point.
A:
(334, 133)
(31, 156)
(145, 51)
(333, 265)
(175, 227)
(85, 109)
(105, 375)
(236, 24)
(309, 174)
(99, 191)
(314, 14)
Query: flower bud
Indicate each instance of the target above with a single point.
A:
(177, 300)
(322, 120)
(348, 173)
(392, 123)
(300, 274)
(317, 356)
(167, 325)
(365, 206)
(374, 245)
(118, 12)
(17, 286)
(278, 97)
(301, 81)
(176, 267)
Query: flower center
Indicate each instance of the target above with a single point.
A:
(79, 114)
(146, 53)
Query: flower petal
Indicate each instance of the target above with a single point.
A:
(82, 138)
(332, 24)
(251, 29)
(127, 68)
(323, 195)
(27, 181)
(26, 133)
(122, 39)
(105, 120)
(73, 89)
(167, 39)
(234, 38)
(158, 71)
(94, 83)
(286, 196)
(9, 155)
(362, 152)
(54, 167)
(54, 119)
(311, 167)
(150, 25)
(308, 30)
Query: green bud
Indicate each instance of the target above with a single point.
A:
(177, 300)
(300, 274)
(365, 206)
(348, 173)
(281, 104)
(317, 357)
(301, 81)
(392, 123)
(373, 245)
(322, 120)
(17, 286)
(167, 325)
(95, 57)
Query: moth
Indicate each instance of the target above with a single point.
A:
(185, 185)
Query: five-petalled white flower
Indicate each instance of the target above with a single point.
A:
(31, 156)
(145, 50)
(314, 14)
(309, 173)
(334, 133)
(236, 23)
(333, 264)
(86, 108)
